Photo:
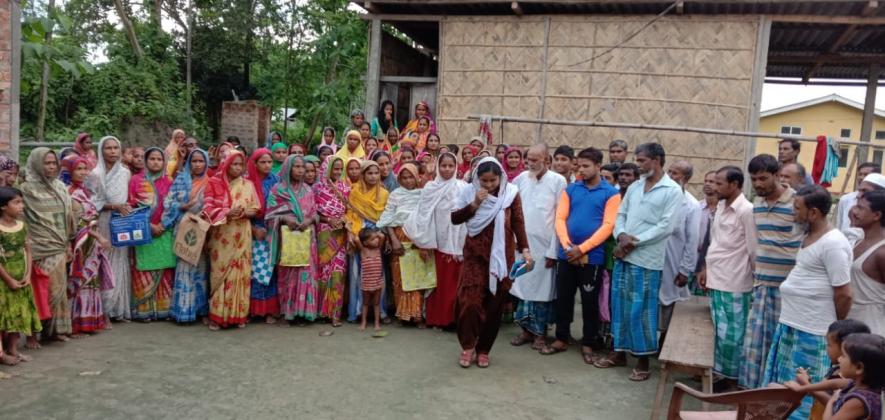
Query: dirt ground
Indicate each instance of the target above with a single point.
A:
(160, 370)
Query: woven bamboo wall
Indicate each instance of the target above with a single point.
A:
(679, 71)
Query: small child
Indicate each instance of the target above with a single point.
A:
(18, 313)
(823, 390)
(863, 364)
(371, 273)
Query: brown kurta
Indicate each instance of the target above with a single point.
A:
(478, 311)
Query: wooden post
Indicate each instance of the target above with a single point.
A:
(538, 137)
(763, 33)
(373, 75)
(869, 109)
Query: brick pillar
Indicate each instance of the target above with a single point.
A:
(10, 72)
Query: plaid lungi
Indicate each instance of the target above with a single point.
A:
(764, 313)
(634, 306)
(729, 311)
(534, 316)
(790, 350)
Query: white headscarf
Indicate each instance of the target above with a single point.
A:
(491, 209)
(109, 186)
(430, 225)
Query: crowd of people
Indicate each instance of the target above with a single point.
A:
(393, 224)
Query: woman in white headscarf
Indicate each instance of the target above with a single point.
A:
(430, 227)
(492, 210)
(109, 183)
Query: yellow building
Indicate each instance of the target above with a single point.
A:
(830, 115)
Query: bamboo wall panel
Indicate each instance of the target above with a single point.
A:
(692, 71)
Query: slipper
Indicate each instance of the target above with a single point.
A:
(482, 361)
(326, 333)
(548, 350)
(538, 343)
(379, 334)
(639, 375)
(609, 362)
(336, 323)
(33, 346)
(520, 340)
(467, 358)
(24, 358)
(589, 357)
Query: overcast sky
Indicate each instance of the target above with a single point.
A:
(777, 95)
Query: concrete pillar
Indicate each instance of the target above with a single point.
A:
(10, 76)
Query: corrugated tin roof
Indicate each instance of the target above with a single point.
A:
(860, 45)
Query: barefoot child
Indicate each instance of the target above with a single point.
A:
(863, 364)
(371, 240)
(18, 313)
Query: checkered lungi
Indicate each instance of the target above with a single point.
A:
(729, 311)
(634, 307)
(764, 313)
(790, 350)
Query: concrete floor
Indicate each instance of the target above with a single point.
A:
(161, 370)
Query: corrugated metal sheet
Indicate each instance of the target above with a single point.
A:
(803, 39)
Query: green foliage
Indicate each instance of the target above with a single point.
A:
(239, 46)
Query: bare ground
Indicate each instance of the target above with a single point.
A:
(139, 371)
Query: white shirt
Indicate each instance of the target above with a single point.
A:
(843, 222)
(539, 209)
(807, 293)
(682, 251)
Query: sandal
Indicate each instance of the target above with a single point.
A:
(552, 349)
(589, 357)
(24, 358)
(467, 358)
(610, 361)
(639, 375)
(539, 342)
(482, 361)
(521, 339)
(336, 323)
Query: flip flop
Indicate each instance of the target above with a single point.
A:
(520, 340)
(639, 375)
(24, 358)
(609, 362)
(548, 350)
(326, 333)
(379, 334)
(589, 357)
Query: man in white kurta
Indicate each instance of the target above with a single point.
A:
(541, 189)
(681, 256)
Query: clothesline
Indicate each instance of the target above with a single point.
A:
(663, 127)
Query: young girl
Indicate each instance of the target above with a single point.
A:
(821, 391)
(433, 145)
(18, 313)
(513, 163)
(370, 146)
(371, 240)
(863, 364)
(406, 154)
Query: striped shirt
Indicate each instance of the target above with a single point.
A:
(779, 238)
(371, 270)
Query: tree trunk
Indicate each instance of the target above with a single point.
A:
(157, 13)
(130, 30)
(44, 83)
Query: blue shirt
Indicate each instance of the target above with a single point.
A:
(648, 216)
(586, 211)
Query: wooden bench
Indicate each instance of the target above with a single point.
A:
(688, 347)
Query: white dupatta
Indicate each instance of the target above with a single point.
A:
(491, 209)
(109, 186)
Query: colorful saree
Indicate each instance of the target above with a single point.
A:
(230, 245)
(151, 290)
(297, 285)
(189, 297)
(263, 298)
(331, 201)
(90, 270)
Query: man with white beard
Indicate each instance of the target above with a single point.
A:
(535, 289)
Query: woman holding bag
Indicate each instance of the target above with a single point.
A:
(264, 300)
(230, 202)
(291, 206)
(152, 284)
(186, 197)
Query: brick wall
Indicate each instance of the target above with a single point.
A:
(248, 120)
(10, 35)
